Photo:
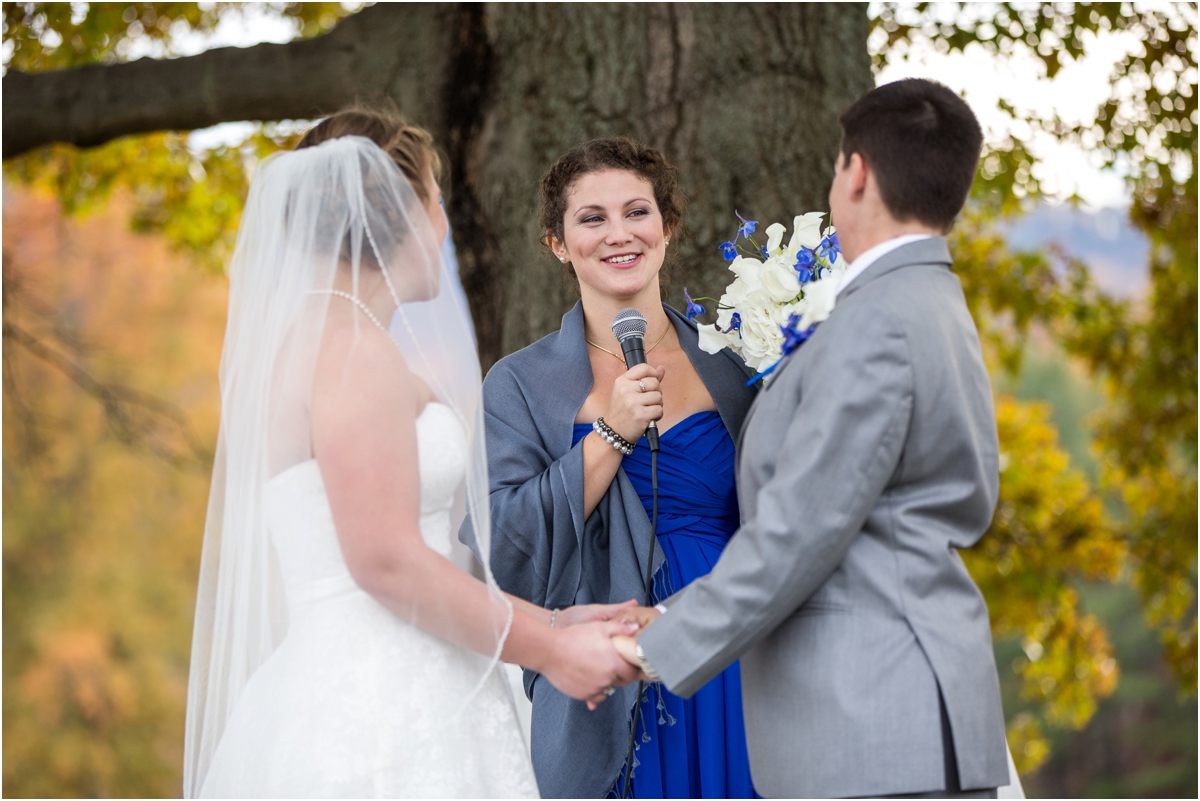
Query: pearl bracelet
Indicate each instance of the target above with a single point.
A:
(612, 437)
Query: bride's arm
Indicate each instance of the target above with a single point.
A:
(572, 615)
(364, 414)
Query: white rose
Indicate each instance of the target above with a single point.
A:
(757, 364)
(798, 308)
(806, 232)
(820, 297)
(780, 281)
(738, 296)
(774, 238)
(757, 297)
(747, 271)
(761, 337)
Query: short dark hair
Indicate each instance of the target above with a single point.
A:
(609, 153)
(922, 142)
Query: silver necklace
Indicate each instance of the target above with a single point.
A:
(362, 306)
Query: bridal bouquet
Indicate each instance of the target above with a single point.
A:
(779, 292)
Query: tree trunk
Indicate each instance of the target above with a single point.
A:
(742, 97)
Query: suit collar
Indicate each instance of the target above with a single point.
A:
(924, 251)
(933, 250)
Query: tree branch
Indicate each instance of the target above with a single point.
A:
(395, 50)
(134, 417)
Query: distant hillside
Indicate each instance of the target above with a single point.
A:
(1104, 239)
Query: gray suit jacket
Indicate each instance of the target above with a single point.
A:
(545, 551)
(869, 459)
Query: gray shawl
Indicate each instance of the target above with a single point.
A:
(544, 551)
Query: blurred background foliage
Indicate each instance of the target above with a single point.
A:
(1137, 520)
(48, 36)
(114, 307)
(111, 345)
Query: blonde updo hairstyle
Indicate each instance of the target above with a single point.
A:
(409, 147)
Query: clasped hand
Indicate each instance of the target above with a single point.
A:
(595, 650)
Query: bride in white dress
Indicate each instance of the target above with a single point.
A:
(337, 651)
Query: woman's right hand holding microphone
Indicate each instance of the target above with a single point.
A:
(636, 401)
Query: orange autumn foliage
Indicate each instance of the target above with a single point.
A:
(112, 343)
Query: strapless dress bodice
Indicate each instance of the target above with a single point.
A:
(356, 702)
(301, 523)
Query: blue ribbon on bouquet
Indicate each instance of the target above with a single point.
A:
(793, 337)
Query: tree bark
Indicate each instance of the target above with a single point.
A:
(743, 98)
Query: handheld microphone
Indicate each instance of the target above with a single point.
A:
(629, 327)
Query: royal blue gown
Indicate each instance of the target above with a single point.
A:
(695, 747)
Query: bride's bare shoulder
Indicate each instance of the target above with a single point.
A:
(364, 363)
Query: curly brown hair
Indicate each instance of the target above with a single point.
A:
(409, 146)
(609, 153)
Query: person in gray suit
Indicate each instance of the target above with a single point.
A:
(867, 462)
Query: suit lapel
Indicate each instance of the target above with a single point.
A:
(746, 424)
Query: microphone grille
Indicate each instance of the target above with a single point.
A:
(628, 323)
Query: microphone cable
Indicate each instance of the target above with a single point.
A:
(637, 707)
(629, 327)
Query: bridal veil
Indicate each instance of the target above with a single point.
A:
(339, 211)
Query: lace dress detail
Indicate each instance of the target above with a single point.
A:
(356, 702)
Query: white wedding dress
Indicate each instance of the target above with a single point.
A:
(356, 702)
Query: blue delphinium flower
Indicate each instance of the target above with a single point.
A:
(830, 248)
(747, 227)
(735, 324)
(764, 252)
(794, 337)
(693, 308)
(806, 260)
(728, 250)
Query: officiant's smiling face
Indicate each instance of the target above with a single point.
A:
(613, 233)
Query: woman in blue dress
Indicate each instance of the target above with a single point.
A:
(570, 509)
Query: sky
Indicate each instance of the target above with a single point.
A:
(1075, 93)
